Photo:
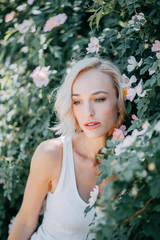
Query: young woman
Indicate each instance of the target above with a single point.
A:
(89, 105)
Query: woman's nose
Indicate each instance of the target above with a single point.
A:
(89, 110)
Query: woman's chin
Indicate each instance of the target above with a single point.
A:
(94, 134)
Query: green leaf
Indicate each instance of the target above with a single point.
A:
(91, 10)
(98, 17)
(154, 66)
(9, 34)
(110, 144)
(98, 1)
(91, 18)
(155, 20)
(155, 188)
(144, 69)
(156, 208)
(129, 107)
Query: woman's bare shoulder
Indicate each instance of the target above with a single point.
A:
(51, 147)
(47, 156)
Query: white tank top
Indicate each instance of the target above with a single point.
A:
(64, 217)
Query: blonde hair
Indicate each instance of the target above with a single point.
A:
(63, 104)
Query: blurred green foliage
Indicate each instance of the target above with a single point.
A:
(26, 111)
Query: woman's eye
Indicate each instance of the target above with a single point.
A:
(100, 100)
(76, 102)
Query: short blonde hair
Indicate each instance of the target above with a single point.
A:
(63, 104)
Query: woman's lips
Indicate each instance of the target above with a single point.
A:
(92, 125)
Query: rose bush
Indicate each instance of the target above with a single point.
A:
(130, 202)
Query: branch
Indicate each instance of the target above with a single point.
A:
(136, 213)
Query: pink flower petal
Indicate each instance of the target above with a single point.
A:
(11, 224)
(130, 68)
(156, 46)
(1, 181)
(123, 128)
(94, 40)
(9, 17)
(30, 2)
(133, 79)
(93, 46)
(125, 92)
(40, 76)
(24, 26)
(131, 94)
(55, 22)
(134, 117)
(119, 134)
(157, 126)
(151, 71)
(132, 60)
(139, 88)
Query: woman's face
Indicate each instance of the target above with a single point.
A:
(94, 103)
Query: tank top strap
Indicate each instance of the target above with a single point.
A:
(65, 170)
(69, 179)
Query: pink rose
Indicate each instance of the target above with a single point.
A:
(134, 117)
(119, 134)
(55, 22)
(24, 26)
(156, 46)
(93, 46)
(40, 76)
(9, 17)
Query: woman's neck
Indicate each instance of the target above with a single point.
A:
(90, 146)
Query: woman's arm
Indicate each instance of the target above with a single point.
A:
(43, 169)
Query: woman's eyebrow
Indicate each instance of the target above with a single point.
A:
(96, 93)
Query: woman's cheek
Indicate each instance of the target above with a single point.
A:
(76, 113)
